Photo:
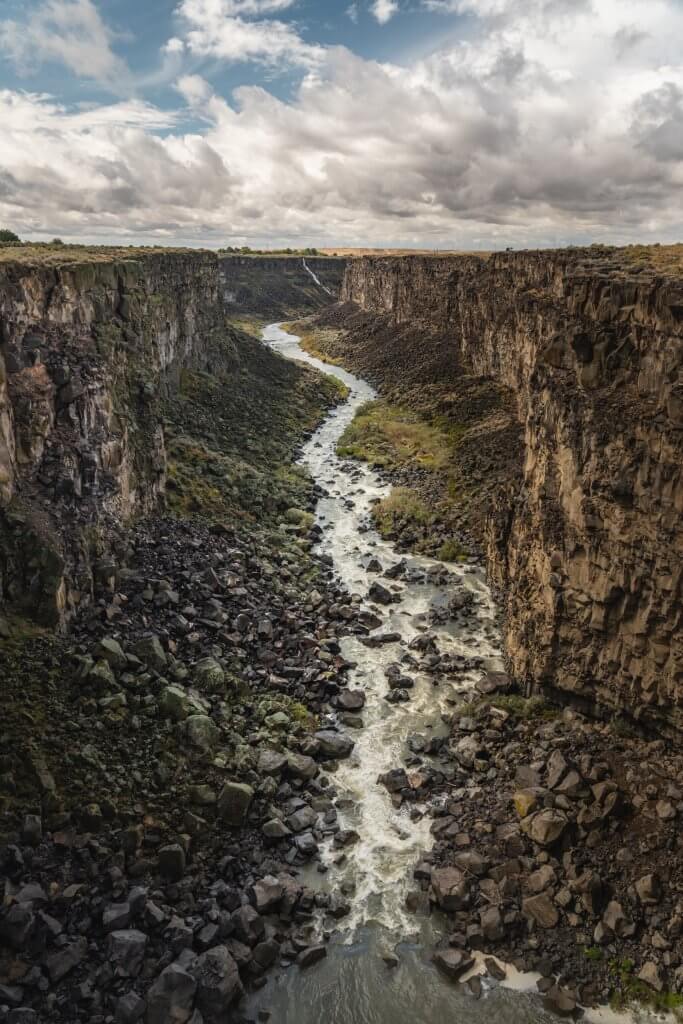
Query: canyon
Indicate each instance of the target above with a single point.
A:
(198, 618)
(89, 351)
(583, 537)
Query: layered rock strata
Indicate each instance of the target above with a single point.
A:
(588, 548)
(279, 286)
(87, 351)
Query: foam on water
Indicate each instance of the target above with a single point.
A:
(380, 864)
(353, 985)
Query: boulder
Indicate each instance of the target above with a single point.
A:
(350, 700)
(151, 653)
(125, 951)
(311, 955)
(541, 879)
(271, 762)
(249, 925)
(171, 997)
(472, 862)
(177, 703)
(651, 975)
(527, 800)
(110, 650)
(332, 744)
(557, 768)
(378, 592)
(172, 862)
(300, 766)
(32, 830)
(545, 827)
(542, 910)
(63, 961)
(209, 675)
(491, 923)
(266, 894)
(116, 916)
(467, 750)
(202, 732)
(450, 888)
(234, 801)
(130, 1008)
(218, 984)
(303, 818)
(275, 830)
(649, 889)
(394, 781)
(558, 1000)
(616, 921)
(101, 677)
(452, 962)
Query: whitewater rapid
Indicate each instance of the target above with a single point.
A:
(353, 984)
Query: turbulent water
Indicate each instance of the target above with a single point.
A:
(354, 985)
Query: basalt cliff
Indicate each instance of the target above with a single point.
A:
(90, 347)
(584, 536)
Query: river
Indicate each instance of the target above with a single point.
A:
(354, 985)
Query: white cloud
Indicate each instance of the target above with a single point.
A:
(251, 7)
(69, 31)
(216, 28)
(352, 12)
(384, 10)
(530, 131)
(194, 89)
(173, 45)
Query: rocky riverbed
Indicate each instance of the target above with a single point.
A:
(287, 765)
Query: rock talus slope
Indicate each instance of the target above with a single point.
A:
(588, 549)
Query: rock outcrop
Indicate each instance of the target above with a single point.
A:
(588, 548)
(87, 350)
(89, 347)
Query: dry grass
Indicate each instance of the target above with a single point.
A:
(65, 255)
(392, 436)
(351, 252)
(664, 259)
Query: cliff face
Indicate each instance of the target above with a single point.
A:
(86, 352)
(279, 286)
(589, 549)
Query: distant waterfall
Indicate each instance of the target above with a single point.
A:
(316, 279)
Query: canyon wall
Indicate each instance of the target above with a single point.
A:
(89, 346)
(87, 350)
(279, 286)
(588, 549)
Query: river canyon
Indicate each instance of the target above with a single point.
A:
(278, 745)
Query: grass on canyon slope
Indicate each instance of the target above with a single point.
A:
(312, 340)
(394, 438)
(391, 436)
(233, 435)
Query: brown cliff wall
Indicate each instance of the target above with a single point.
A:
(590, 553)
(86, 351)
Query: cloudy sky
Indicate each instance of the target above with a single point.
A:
(439, 123)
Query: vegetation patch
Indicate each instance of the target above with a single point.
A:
(521, 708)
(403, 508)
(313, 340)
(251, 325)
(452, 551)
(630, 991)
(233, 438)
(392, 436)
